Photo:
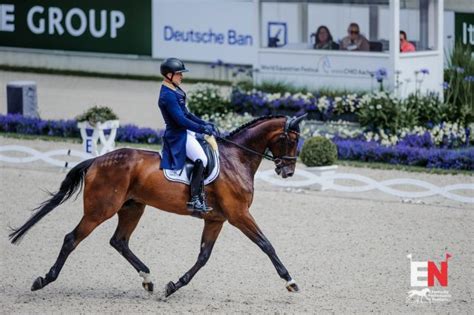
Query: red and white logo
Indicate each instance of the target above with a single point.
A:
(428, 274)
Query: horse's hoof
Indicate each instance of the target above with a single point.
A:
(291, 286)
(148, 286)
(38, 284)
(170, 289)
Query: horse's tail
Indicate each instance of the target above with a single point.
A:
(69, 186)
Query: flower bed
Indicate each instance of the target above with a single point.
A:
(444, 146)
(360, 150)
(68, 128)
(318, 107)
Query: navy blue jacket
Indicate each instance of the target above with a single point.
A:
(178, 119)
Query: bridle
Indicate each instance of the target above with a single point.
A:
(284, 146)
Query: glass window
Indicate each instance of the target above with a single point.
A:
(350, 25)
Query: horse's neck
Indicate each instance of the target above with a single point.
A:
(257, 139)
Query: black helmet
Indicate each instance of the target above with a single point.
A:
(172, 65)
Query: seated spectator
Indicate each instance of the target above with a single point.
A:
(323, 39)
(355, 41)
(405, 46)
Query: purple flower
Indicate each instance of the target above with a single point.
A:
(424, 71)
(68, 128)
(459, 70)
(352, 149)
(380, 74)
(469, 78)
(445, 85)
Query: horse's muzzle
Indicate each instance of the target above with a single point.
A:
(285, 171)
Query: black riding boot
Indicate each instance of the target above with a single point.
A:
(197, 202)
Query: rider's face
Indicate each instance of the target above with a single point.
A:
(177, 78)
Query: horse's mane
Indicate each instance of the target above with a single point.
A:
(252, 123)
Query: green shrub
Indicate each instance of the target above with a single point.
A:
(318, 151)
(97, 114)
(429, 109)
(207, 99)
(380, 111)
(459, 85)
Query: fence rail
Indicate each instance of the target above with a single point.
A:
(368, 184)
(327, 182)
(35, 155)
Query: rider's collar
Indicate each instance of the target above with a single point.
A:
(169, 85)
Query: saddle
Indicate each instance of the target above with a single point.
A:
(210, 173)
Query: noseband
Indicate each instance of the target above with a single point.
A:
(284, 146)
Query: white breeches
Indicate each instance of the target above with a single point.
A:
(194, 150)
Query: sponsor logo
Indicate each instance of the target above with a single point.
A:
(231, 37)
(427, 276)
(277, 33)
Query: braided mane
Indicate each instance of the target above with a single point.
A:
(252, 123)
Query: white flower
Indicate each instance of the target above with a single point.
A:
(378, 106)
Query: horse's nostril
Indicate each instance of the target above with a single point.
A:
(290, 174)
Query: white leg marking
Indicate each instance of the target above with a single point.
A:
(145, 276)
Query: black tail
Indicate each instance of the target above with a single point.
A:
(69, 186)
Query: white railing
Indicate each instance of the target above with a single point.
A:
(35, 155)
(324, 182)
(368, 184)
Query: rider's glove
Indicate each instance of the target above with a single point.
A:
(214, 128)
(208, 130)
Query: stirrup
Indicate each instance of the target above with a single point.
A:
(195, 204)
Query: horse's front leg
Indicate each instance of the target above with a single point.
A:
(209, 236)
(246, 223)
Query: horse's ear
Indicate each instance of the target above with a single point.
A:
(296, 121)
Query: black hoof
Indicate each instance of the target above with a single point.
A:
(170, 288)
(148, 286)
(293, 287)
(39, 283)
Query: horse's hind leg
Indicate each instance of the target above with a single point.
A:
(129, 215)
(82, 230)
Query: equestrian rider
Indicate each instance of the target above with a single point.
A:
(179, 140)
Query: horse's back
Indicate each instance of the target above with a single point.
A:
(122, 163)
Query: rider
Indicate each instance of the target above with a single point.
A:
(179, 140)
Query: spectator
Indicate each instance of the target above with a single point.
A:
(355, 41)
(323, 39)
(405, 46)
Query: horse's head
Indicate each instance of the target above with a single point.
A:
(283, 146)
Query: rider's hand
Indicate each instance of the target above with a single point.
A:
(208, 130)
(214, 128)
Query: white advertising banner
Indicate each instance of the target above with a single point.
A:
(321, 69)
(205, 30)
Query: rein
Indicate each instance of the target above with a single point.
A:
(277, 160)
(264, 155)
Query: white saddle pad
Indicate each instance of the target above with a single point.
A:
(182, 177)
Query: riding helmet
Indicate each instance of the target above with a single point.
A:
(172, 65)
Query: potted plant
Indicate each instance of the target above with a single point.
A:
(98, 123)
(320, 155)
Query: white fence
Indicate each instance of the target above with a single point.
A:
(368, 184)
(35, 155)
(326, 182)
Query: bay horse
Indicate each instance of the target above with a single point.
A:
(124, 181)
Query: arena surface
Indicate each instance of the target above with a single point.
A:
(347, 252)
